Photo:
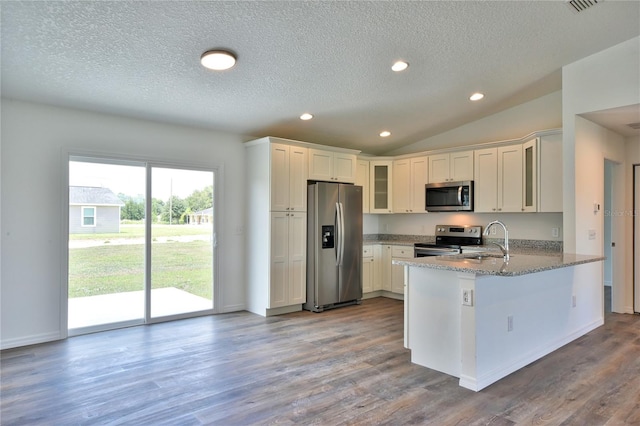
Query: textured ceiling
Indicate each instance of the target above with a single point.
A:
(332, 59)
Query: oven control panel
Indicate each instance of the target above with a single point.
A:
(470, 231)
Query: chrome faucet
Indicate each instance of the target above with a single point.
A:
(505, 248)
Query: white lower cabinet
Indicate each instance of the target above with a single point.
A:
(288, 259)
(368, 272)
(385, 268)
(393, 275)
(397, 271)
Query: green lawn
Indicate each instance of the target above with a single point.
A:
(137, 231)
(120, 268)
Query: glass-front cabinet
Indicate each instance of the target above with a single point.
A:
(530, 176)
(380, 176)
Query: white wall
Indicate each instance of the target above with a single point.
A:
(34, 139)
(539, 114)
(606, 80)
(596, 144)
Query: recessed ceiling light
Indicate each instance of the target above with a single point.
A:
(306, 116)
(218, 60)
(385, 133)
(476, 97)
(399, 66)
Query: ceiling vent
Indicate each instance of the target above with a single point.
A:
(634, 126)
(582, 5)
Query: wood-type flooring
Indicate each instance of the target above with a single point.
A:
(345, 366)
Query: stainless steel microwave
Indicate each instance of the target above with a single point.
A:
(449, 196)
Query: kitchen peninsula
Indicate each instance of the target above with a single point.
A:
(480, 318)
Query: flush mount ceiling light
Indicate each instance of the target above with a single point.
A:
(218, 60)
(306, 116)
(399, 66)
(476, 96)
(385, 134)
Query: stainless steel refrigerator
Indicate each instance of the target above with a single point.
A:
(334, 245)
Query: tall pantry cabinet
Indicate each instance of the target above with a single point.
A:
(276, 179)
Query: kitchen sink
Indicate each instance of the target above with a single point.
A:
(473, 256)
(481, 256)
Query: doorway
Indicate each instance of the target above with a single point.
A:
(636, 238)
(614, 236)
(607, 234)
(141, 243)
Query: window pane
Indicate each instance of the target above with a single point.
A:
(181, 241)
(106, 245)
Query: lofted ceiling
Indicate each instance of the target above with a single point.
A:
(328, 58)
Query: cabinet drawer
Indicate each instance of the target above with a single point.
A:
(402, 252)
(367, 251)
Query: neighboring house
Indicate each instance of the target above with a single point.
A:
(93, 210)
(202, 216)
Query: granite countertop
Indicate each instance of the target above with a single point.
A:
(517, 245)
(408, 243)
(493, 264)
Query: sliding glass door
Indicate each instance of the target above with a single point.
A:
(141, 243)
(182, 242)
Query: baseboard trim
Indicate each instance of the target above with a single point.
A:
(484, 380)
(30, 340)
(283, 310)
(234, 308)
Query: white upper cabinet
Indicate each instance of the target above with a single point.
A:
(521, 177)
(550, 173)
(510, 178)
(409, 178)
(362, 179)
(451, 167)
(486, 180)
(530, 176)
(380, 186)
(498, 179)
(332, 166)
(288, 184)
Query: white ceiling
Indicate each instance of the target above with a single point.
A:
(618, 119)
(332, 59)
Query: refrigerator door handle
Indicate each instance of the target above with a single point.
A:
(341, 234)
(338, 235)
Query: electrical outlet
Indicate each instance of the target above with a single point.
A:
(510, 323)
(467, 297)
(555, 232)
(573, 301)
(592, 234)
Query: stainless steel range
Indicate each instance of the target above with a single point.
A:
(449, 240)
